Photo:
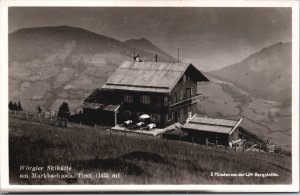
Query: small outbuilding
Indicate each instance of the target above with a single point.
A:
(205, 129)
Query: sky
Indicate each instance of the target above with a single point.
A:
(210, 38)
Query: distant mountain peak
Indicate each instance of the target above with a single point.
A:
(266, 73)
(141, 41)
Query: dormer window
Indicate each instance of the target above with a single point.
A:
(181, 94)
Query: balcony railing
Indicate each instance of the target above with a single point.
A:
(186, 102)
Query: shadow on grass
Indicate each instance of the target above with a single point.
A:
(144, 156)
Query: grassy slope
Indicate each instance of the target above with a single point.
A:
(139, 160)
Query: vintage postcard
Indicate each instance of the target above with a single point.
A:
(161, 96)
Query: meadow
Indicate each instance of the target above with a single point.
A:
(136, 159)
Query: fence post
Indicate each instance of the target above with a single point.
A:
(26, 116)
(15, 112)
(39, 117)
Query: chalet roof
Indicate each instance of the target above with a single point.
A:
(149, 76)
(217, 125)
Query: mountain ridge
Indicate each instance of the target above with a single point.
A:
(50, 64)
(266, 73)
(53, 35)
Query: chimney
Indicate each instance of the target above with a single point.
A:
(156, 58)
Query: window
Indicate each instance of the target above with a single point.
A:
(145, 99)
(155, 117)
(186, 110)
(169, 116)
(188, 78)
(128, 98)
(192, 91)
(181, 93)
(189, 111)
(175, 97)
(166, 101)
(184, 78)
(180, 113)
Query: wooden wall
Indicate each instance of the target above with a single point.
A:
(222, 138)
(235, 135)
(201, 136)
(159, 103)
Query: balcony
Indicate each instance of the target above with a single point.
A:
(187, 102)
